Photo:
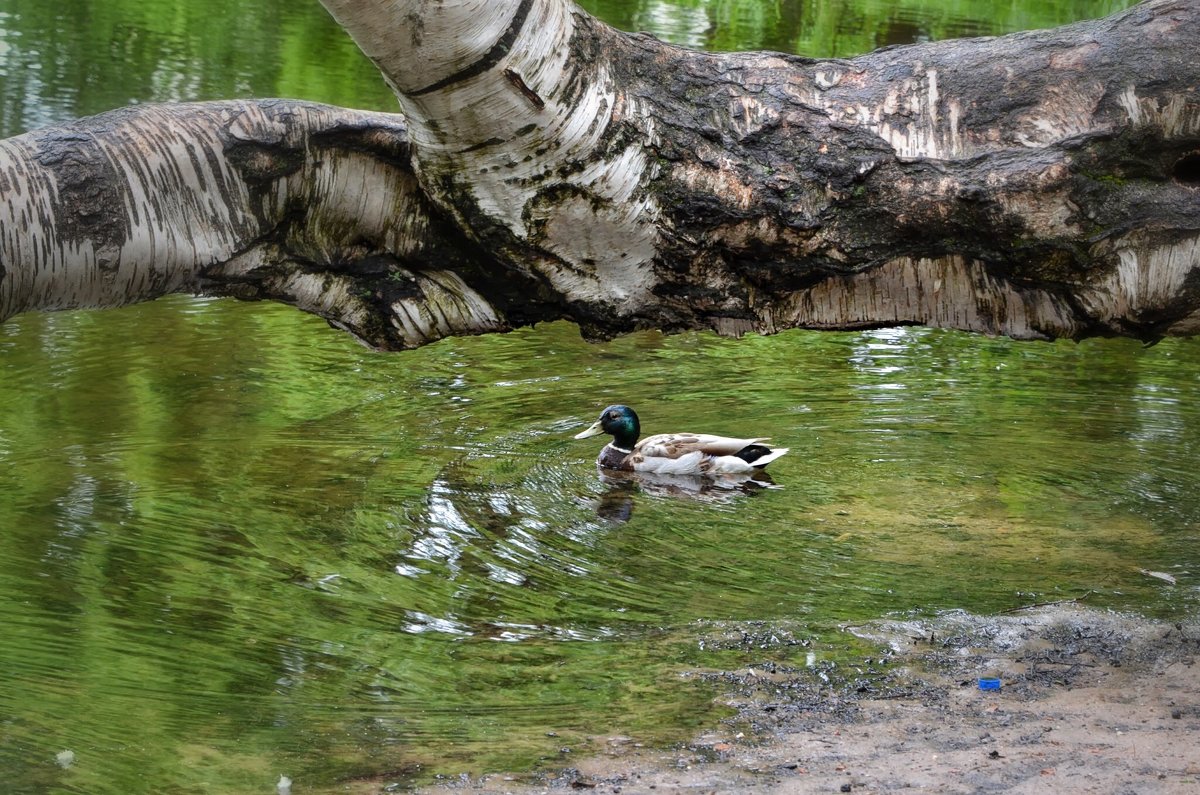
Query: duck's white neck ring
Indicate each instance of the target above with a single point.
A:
(620, 449)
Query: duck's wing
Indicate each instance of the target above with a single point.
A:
(678, 445)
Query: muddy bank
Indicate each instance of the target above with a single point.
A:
(1090, 702)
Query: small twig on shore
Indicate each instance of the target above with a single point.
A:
(1076, 600)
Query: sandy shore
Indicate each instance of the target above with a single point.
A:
(1091, 702)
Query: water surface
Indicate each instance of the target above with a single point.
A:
(238, 545)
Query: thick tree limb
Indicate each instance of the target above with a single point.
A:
(1040, 185)
(1036, 185)
(308, 204)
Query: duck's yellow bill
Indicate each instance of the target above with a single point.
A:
(595, 430)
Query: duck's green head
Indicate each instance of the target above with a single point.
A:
(619, 422)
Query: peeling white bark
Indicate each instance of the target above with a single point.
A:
(933, 292)
(1148, 279)
(1178, 117)
(449, 307)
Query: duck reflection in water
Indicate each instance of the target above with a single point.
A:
(616, 504)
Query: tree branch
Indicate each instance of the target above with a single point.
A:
(1037, 185)
(1040, 185)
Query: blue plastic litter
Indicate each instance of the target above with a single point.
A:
(989, 683)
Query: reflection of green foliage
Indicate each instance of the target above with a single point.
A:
(66, 59)
(836, 28)
(205, 529)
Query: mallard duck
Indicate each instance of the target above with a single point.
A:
(674, 453)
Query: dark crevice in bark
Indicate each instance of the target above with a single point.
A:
(1187, 169)
(260, 164)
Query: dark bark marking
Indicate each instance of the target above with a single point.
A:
(223, 188)
(260, 163)
(416, 26)
(527, 92)
(492, 57)
(482, 145)
(89, 200)
(389, 145)
(198, 169)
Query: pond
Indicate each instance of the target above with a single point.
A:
(237, 545)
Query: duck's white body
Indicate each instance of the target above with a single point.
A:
(693, 454)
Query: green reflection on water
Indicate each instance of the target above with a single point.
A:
(60, 60)
(836, 28)
(237, 545)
